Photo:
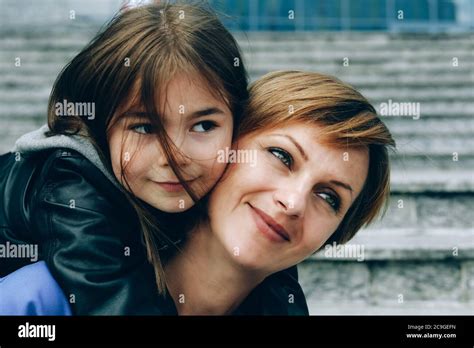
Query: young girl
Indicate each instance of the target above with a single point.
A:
(135, 123)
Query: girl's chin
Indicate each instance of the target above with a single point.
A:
(173, 205)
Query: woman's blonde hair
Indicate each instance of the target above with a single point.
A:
(348, 119)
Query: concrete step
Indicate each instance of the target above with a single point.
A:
(409, 211)
(382, 87)
(402, 162)
(466, 94)
(369, 80)
(24, 82)
(265, 40)
(16, 23)
(405, 83)
(48, 12)
(463, 90)
(341, 287)
(278, 60)
(409, 243)
(344, 39)
(73, 41)
(14, 83)
(432, 180)
(28, 57)
(301, 50)
(364, 56)
(434, 109)
(403, 128)
(431, 126)
(385, 68)
(427, 145)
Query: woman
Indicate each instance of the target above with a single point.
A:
(322, 173)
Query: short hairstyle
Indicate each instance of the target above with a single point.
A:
(348, 120)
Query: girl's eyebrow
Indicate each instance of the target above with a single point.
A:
(194, 114)
(206, 112)
(134, 114)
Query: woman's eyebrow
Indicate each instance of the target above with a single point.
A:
(298, 146)
(343, 185)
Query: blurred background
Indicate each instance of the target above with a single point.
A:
(420, 258)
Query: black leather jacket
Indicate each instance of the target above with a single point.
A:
(87, 233)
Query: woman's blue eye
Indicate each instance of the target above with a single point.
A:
(203, 127)
(282, 155)
(142, 128)
(331, 200)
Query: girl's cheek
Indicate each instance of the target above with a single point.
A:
(216, 169)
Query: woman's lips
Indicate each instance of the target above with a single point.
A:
(268, 226)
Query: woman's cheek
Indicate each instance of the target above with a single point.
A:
(315, 237)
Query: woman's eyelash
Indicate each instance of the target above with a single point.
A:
(333, 200)
(282, 155)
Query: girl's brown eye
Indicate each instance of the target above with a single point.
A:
(142, 128)
(204, 126)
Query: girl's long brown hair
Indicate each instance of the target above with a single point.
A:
(134, 57)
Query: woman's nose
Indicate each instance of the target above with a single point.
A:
(292, 202)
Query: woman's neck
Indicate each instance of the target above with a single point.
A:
(203, 279)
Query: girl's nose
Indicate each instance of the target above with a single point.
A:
(175, 153)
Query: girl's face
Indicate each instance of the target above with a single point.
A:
(199, 125)
(274, 214)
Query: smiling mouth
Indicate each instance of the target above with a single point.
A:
(173, 186)
(268, 226)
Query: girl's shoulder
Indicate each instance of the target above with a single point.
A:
(66, 177)
(56, 177)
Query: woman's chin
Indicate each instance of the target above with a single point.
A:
(251, 258)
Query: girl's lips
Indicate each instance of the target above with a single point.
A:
(268, 227)
(173, 186)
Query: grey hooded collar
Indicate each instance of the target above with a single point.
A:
(38, 141)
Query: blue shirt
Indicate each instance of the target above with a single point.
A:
(32, 290)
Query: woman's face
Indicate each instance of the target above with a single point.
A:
(274, 214)
(198, 124)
